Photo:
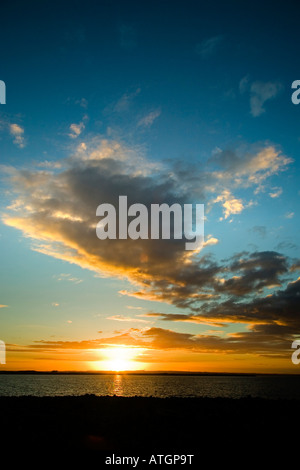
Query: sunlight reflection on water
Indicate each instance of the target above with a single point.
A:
(118, 389)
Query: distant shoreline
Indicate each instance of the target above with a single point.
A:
(167, 373)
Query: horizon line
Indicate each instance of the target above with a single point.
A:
(141, 372)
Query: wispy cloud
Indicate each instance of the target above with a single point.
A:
(49, 164)
(231, 204)
(249, 168)
(124, 103)
(244, 84)
(123, 318)
(67, 277)
(286, 245)
(261, 92)
(209, 47)
(148, 120)
(276, 192)
(82, 102)
(210, 241)
(17, 132)
(77, 129)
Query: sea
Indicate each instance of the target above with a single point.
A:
(144, 385)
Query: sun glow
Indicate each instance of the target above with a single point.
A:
(119, 359)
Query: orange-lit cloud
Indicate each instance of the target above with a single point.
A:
(253, 341)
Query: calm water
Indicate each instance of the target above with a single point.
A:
(151, 385)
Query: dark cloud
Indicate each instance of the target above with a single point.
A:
(274, 314)
(254, 273)
(286, 245)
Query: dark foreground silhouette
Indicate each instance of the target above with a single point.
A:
(205, 427)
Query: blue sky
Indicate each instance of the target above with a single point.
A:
(182, 99)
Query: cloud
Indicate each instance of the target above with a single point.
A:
(246, 168)
(276, 192)
(56, 209)
(122, 318)
(110, 161)
(237, 342)
(209, 47)
(131, 337)
(82, 102)
(253, 272)
(49, 164)
(228, 171)
(148, 120)
(18, 134)
(286, 245)
(3, 306)
(261, 339)
(77, 129)
(125, 102)
(243, 274)
(261, 92)
(272, 320)
(274, 314)
(210, 241)
(295, 266)
(187, 318)
(244, 84)
(230, 204)
(289, 215)
(68, 277)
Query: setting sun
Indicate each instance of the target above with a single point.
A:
(120, 358)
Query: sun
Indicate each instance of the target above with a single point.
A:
(120, 359)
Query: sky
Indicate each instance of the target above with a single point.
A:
(164, 102)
